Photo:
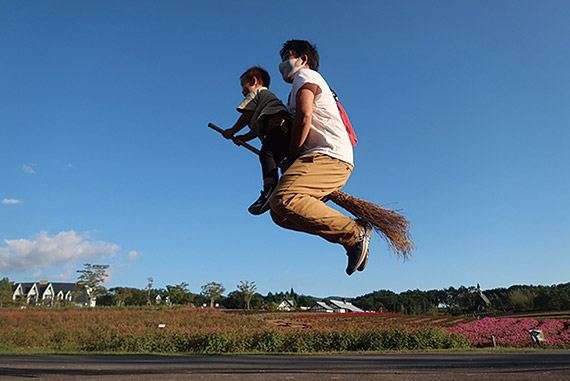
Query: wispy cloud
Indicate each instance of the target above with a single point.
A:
(29, 168)
(11, 201)
(133, 254)
(44, 251)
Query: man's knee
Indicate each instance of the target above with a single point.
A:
(283, 204)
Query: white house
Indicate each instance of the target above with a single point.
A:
(336, 306)
(286, 305)
(27, 291)
(46, 293)
(344, 306)
(321, 307)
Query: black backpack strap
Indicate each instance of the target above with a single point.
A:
(334, 95)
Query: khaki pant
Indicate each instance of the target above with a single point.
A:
(297, 204)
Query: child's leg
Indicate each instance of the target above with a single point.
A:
(270, 177)
(273, 151)
(268, 165)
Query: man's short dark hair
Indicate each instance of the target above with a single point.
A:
(300, 47)
(258, 72)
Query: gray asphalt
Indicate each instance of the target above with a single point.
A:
(512, 366)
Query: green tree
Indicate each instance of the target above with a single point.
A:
(91, 280)
(213, 291)
(179, 294)
(247, 289)
(121, 295)
(521, 299)
(306, 301)
(5, 292)
(149, 290)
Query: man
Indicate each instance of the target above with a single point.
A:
(323, 163)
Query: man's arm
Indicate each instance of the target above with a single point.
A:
(303, 116)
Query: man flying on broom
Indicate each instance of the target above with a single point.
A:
(319, 163)
(323, 159)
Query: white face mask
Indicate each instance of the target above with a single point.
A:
(287, 68)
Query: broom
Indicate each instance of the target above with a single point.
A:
(390, 225)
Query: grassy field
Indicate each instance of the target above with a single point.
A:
(188, 330)
(558, 315)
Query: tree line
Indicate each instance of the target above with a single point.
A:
(469, 300)
(454, 301)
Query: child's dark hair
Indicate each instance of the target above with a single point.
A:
(257, 72)
(300, 47)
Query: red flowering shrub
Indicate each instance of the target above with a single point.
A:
(212, 331)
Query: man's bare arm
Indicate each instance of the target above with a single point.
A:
(303, 116)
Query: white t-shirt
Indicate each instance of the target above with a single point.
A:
(328, 134)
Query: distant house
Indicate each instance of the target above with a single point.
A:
(46, 293)
(321, 307)
(25, 291)
(286, 305)
(336, 306)
(159, 299)
(344, 306)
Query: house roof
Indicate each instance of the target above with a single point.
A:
(291, 302)
(345, 305)
(323, 305)
(26, 287)
(64, 287)
(57, 287)
(42, 287)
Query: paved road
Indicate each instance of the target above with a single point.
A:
(511, 366)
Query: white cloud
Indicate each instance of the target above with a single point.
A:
(11, 201)
(59, 277)
(43, 251)
(134, 254)
(29, 168)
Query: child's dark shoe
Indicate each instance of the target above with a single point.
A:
(261, 205)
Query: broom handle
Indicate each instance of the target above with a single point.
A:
(246, 145)
(334, 196)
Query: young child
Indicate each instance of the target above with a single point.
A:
(269, 120)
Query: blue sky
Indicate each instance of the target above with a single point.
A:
(461, 109)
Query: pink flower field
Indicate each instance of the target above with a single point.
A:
(510, 332)
(191, 330)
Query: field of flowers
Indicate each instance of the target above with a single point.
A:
(514, 332)
(193, 330)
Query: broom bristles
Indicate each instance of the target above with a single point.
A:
(390, 225)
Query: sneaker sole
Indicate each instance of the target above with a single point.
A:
(259, 211)
(367, 238)
(364, 263)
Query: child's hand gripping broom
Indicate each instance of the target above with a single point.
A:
(391, 226)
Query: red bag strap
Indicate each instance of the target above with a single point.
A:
(345, 120)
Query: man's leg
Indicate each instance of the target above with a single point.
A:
(297, 204)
